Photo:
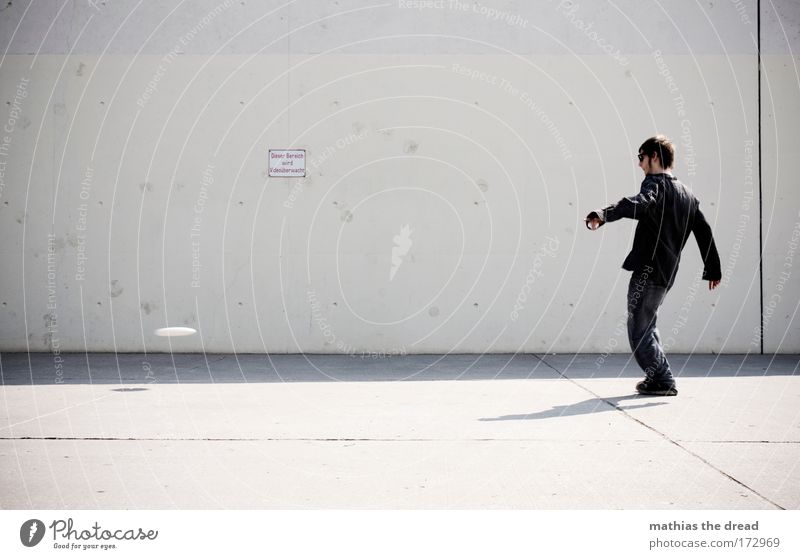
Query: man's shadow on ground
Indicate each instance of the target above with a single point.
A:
(593, 405)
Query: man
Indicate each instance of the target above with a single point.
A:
(667, 214)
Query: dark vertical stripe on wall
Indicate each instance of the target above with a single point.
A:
(760, 201)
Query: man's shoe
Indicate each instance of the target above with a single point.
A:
(656, 387)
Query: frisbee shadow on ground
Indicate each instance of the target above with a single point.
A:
(593, 405)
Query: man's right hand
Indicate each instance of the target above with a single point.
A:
(712, 284)
(593, 221)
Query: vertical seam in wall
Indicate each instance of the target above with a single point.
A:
(760, 201)
(289, 76)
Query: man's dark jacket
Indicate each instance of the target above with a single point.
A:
(667, 214)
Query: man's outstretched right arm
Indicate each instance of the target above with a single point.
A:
(634, 207)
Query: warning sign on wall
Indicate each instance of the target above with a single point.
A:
(287, 163)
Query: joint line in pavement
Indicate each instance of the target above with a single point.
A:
(662, 435)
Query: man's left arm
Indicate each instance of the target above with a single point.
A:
(712, 271)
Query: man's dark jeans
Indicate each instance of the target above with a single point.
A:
(644, 298)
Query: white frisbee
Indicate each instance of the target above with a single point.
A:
(176, 331)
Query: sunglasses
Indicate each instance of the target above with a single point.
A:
(641, 156)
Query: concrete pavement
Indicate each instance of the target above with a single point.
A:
(426, 431)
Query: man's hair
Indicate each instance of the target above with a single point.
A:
(662, 146)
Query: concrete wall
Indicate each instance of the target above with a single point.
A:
(136, 196)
